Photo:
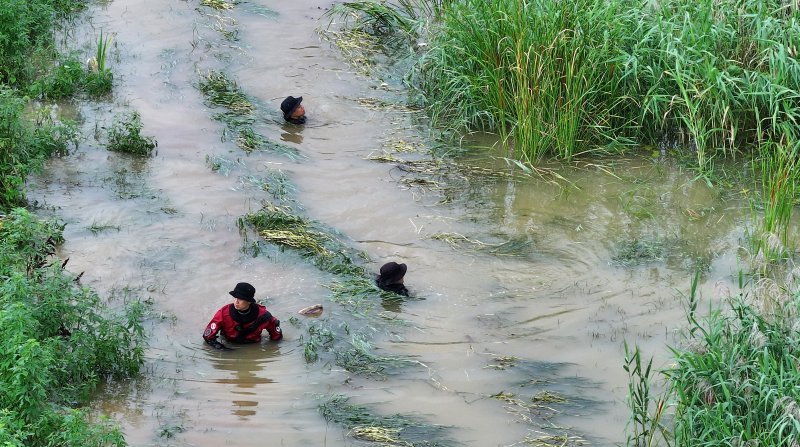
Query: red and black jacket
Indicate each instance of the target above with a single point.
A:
(241, 327)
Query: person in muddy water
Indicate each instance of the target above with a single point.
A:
(242, 321)
(391, 278)
(293, 111)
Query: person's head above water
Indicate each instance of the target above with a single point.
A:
(293, 111)
(244, 294)
(392, 273)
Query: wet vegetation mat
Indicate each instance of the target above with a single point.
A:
(241, 115)
(395, 430)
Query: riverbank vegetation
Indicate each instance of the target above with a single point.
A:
(703, 80)
(713, 78)
(60, 340)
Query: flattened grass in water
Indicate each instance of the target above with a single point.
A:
(519, 246)
(396, 429)
(221, 91)
(361, 360)
(279, 226)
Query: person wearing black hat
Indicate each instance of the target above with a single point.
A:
(242, 321)
(293, 111)
(391, 278)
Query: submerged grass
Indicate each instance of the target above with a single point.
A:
(397, 429)
(520, 246)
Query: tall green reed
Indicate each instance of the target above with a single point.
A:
(538, 72)
(732, 381)
(779, 177)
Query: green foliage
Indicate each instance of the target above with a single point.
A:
(63, 81)
(734, 381)
(780, 178)
(99, 78)
(24, 145)
(125, 136)
(59, 341)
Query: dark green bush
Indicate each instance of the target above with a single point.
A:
(24, 146)
(53, 358)
(125, 136)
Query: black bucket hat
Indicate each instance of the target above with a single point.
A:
(392, 271)
(289, 105)
(244, 291)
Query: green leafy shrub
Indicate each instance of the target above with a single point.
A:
(54, 358)
(62, 82)
(125, 136)
(24, 145)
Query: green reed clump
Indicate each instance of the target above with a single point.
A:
(539, 72)
(560, 78)
(126, 136)
(734, 379)
(54, 358)
(780, 178)
(99, 78)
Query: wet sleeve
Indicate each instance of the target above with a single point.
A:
(273, 326)
(213, 328)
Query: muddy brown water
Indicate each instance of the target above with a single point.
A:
(165, 230)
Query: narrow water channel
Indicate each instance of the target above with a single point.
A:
(528, 294)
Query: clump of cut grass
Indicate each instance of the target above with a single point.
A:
(220, 5)
(396, 23)
(220, 164)
(360, 359)
(503, 362)
(275, 183)
(221, 91)
(278, 225)
(125, 136)
(358, 48)
(318, 336)
(403, 430)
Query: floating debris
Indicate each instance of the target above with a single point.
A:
(311, 311)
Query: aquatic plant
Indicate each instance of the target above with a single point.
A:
(733, 378)
(360, 359)
(780, 178)
(125, 135)
(99, 78)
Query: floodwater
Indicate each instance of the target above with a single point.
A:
(550, 315)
